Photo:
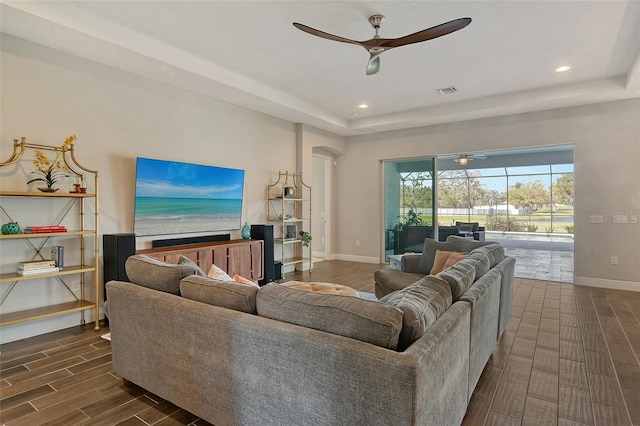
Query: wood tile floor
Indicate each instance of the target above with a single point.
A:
(569, 357)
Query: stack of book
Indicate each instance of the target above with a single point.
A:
(44, 229)
(37, 267)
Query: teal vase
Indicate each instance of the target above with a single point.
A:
(246, 231)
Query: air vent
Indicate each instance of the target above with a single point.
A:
(447, 90)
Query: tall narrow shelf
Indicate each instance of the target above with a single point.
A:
(86, 269)
(289, 208)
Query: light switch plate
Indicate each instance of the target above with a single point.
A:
(596, 218)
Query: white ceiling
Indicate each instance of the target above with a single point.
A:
(248, 53)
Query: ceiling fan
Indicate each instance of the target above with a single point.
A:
(463, 159)
(377, 45)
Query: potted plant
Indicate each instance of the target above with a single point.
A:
(305, 237)
(51, 172)
(412, 218)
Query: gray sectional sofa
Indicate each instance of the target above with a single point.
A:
(234, 354)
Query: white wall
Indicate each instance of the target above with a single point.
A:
(47, 95)
(607, 179)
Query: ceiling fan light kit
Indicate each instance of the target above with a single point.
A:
(377, 45)
(463, 160)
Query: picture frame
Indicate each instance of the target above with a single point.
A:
(291, 232)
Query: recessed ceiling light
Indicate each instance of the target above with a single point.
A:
(363, 106)
(447, 90)
(563, 68)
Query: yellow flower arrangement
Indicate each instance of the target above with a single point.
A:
(52, 171)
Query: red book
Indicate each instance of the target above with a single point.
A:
(44, 229)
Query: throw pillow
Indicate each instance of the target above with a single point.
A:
(242, 280)
(422, 304)
(439, 260)
(453, 259)
(359, 319)
(226, 294)
(155, 274)
(429, 253)
(184, 260)
(218, 274)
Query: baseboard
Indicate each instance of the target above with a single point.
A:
(611, 284)
(353, 258)
(321, 255)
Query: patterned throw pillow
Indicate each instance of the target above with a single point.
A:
(218, 274)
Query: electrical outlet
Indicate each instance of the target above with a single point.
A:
(357, 243)
(620, 218)
(614, 260)
(75, 285)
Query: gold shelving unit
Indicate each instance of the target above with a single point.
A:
(87, 269)
(291, 213)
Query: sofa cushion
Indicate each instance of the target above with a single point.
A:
(155, 274)
(480, 262)
(389, 280)
(421, 304)
(184, 260)
(494, 252)
(460, 277)
(466, 244)
(360, 319)
(226, 294)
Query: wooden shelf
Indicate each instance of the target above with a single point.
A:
(66, 271)
(46, 194)
(287, 240)
(293, 260)
(46, 311)
(47, 234)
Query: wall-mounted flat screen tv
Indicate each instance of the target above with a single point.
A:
(177, 198)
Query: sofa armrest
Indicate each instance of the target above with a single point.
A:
(410, 263)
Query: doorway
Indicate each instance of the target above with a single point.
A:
(408, 205)
(321, 202)
(522, 198)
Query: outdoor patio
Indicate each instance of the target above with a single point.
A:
(545, 258)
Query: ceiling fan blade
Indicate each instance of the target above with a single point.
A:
(428, 34)
(374, 64)
(322, 34)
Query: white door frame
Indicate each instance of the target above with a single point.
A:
(328, 225)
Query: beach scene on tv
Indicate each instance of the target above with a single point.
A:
(176, 198)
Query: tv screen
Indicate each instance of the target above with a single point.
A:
(177, 198)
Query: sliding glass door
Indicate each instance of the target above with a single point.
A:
(409, 204)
